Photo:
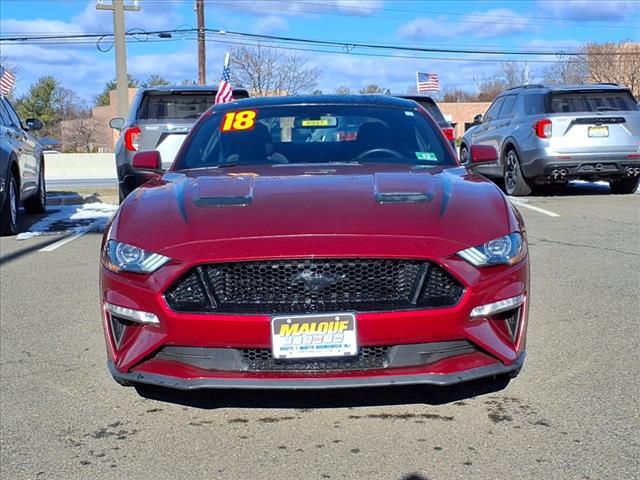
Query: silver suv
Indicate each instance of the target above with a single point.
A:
(553, 134)
(159, 119)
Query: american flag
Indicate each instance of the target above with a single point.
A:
(7, 81)
(225, 94)
(427, 82)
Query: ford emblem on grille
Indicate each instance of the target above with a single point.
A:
(316, 282)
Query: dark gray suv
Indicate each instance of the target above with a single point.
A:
(159, 119)
(21, 168)
(553, 134)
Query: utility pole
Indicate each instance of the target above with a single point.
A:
(202, 75)
(118, 7)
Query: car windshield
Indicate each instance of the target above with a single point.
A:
(597, 101)
(305, 134)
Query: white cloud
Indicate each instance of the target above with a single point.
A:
(304, 7)
(270, 24)
(589, 10)
(492, 23)
(152, 16)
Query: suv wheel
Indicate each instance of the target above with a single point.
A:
(9, 212)
(624, 185)
(38, 202)
(514, 182)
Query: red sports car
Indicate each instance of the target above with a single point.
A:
(272, 255)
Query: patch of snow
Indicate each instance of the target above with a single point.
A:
(71, 219)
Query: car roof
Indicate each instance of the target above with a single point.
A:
(361, 100)
(413, 96)
(186, 88)
(569, 87)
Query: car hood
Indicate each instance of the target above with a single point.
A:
(306, 202)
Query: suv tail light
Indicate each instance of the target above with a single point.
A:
(543, 128)
(131, 136)
(450, 133)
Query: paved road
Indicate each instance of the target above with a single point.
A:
(572, 413)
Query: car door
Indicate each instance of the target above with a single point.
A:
(26, 150)
(485, 134)
(503, 128)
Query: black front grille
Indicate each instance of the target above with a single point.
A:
(261, 359)
(313, 286)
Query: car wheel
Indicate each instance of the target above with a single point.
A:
(514, 182)
(464, 154)
(624, 185)
(9, 212)
(38, 203)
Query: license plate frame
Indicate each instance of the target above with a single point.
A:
(328, 335)
(598, 131)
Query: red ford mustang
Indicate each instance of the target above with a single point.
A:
(278, 252)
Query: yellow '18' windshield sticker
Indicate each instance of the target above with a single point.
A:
(243, 120)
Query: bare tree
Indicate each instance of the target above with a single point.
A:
(372, 88)
(267, 71)
(458, 95)
(511, 74)
(343, 90)
(79, 136)
(614, 62)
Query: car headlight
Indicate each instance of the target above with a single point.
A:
(507, 250)
(121, 257)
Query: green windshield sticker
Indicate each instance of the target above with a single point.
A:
(428, 156)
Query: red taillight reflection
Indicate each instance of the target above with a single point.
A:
(543, 128)
(450, 133)
(131, 136)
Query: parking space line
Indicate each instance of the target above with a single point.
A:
(70, 238)
(522, 203)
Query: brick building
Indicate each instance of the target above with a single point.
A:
(461, 114)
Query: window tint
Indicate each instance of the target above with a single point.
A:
(433, 110)
(534, 103)
(603, 101)
(492, 113)
(508, 106)
(15, 120)
(4, 116)
(307, 134)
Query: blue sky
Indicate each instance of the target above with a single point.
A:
(547, 25)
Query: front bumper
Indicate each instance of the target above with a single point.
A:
(139, 354)
(310, 383)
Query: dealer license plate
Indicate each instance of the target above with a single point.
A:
(599, 131)
(312, 336)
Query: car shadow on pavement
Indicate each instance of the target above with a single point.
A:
(330, 398)
(572, 189)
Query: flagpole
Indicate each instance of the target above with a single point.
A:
(227, 56)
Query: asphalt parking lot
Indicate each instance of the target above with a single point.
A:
(573, 413)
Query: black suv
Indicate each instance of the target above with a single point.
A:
(21, 168)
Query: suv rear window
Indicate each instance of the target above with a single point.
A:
(175, 106)
(593, 101)
(431, 107)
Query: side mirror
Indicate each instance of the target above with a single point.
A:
(480, 154)
(149, 161)
(117, 123)
(33, 124)
(477, 119)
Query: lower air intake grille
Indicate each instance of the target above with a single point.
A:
(314, 286)
(261, 359)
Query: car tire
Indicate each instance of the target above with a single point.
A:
(38, 202)
(624, 186)
(9, 212)
(515, 183)
(464, 154)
